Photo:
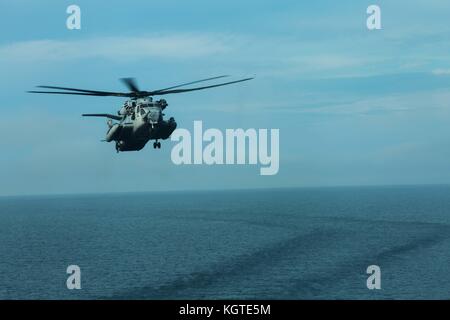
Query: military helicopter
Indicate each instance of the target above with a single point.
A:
(140, 119)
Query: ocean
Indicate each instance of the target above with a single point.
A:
(306, 243)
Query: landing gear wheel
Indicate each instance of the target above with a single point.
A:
(159, 145)
(155, 145)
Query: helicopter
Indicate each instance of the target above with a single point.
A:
(140, 119)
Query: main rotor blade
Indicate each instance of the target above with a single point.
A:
(106, 93)
(198, 88)
(72, 93)
(105, 115)
(188, 83)
(134, 93)
(131, 84)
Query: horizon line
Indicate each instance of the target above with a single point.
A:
(224, 189)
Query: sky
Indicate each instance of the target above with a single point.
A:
(353, 106)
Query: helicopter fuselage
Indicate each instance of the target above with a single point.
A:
(142, 121)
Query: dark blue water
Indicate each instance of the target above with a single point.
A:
(273, 244)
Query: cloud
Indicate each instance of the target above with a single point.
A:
(281, 56)
(440, 72)
(117, 48)
(429, 101)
